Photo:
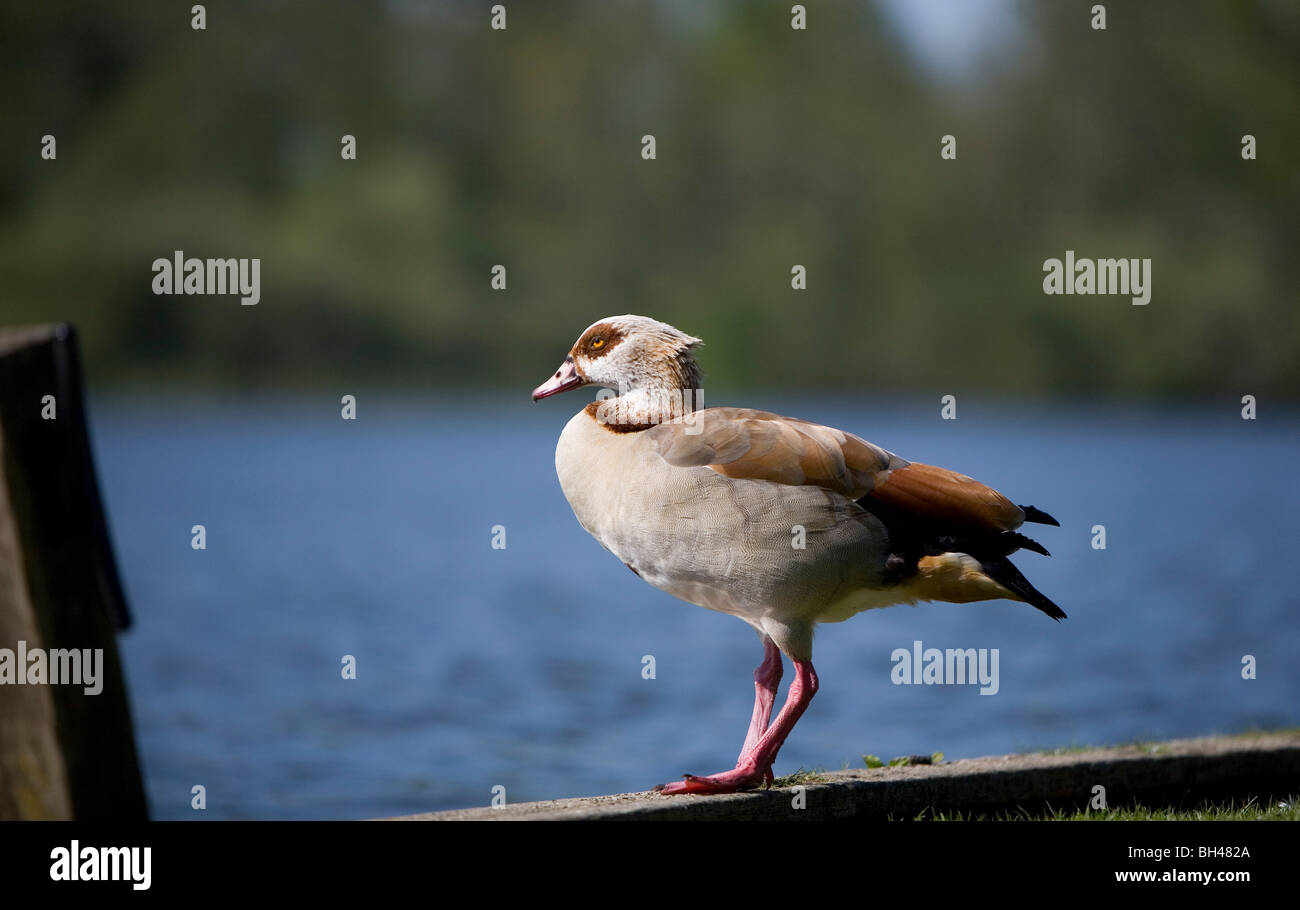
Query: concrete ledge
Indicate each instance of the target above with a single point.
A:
(1177, 773)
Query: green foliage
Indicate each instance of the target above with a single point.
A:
(775, 147)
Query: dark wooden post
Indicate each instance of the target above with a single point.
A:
(63, 753)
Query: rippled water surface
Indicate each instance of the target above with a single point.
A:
(522, 667)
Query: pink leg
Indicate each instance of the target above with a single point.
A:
(766, 678)
(755, 766)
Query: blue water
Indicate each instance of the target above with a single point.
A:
(521, 667)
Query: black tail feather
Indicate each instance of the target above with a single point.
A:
(1004, 573)
(1038, 516)
(913, 537)
(1021, 542)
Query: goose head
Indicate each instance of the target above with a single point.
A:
(629, 354)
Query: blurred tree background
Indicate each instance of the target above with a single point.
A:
(775, 147)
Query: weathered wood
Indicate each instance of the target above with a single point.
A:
(59, 589)
(1175, 773)
(33, 783)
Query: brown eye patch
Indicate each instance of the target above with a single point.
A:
(598, 339)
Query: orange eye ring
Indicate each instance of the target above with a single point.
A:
(597, 344)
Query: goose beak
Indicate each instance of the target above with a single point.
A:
(565, 378)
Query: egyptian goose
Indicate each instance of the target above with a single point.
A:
(712, 504)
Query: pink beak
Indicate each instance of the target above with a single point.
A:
(565, 378)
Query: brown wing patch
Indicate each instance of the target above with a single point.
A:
(757, 445)
(938, 493)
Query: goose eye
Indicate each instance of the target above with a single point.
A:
(597, 344)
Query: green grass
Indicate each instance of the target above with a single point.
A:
(1257, 733)
(874, 761)
(1250, 810)
(802, 776)
(1146, 746)
(1158, 748)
